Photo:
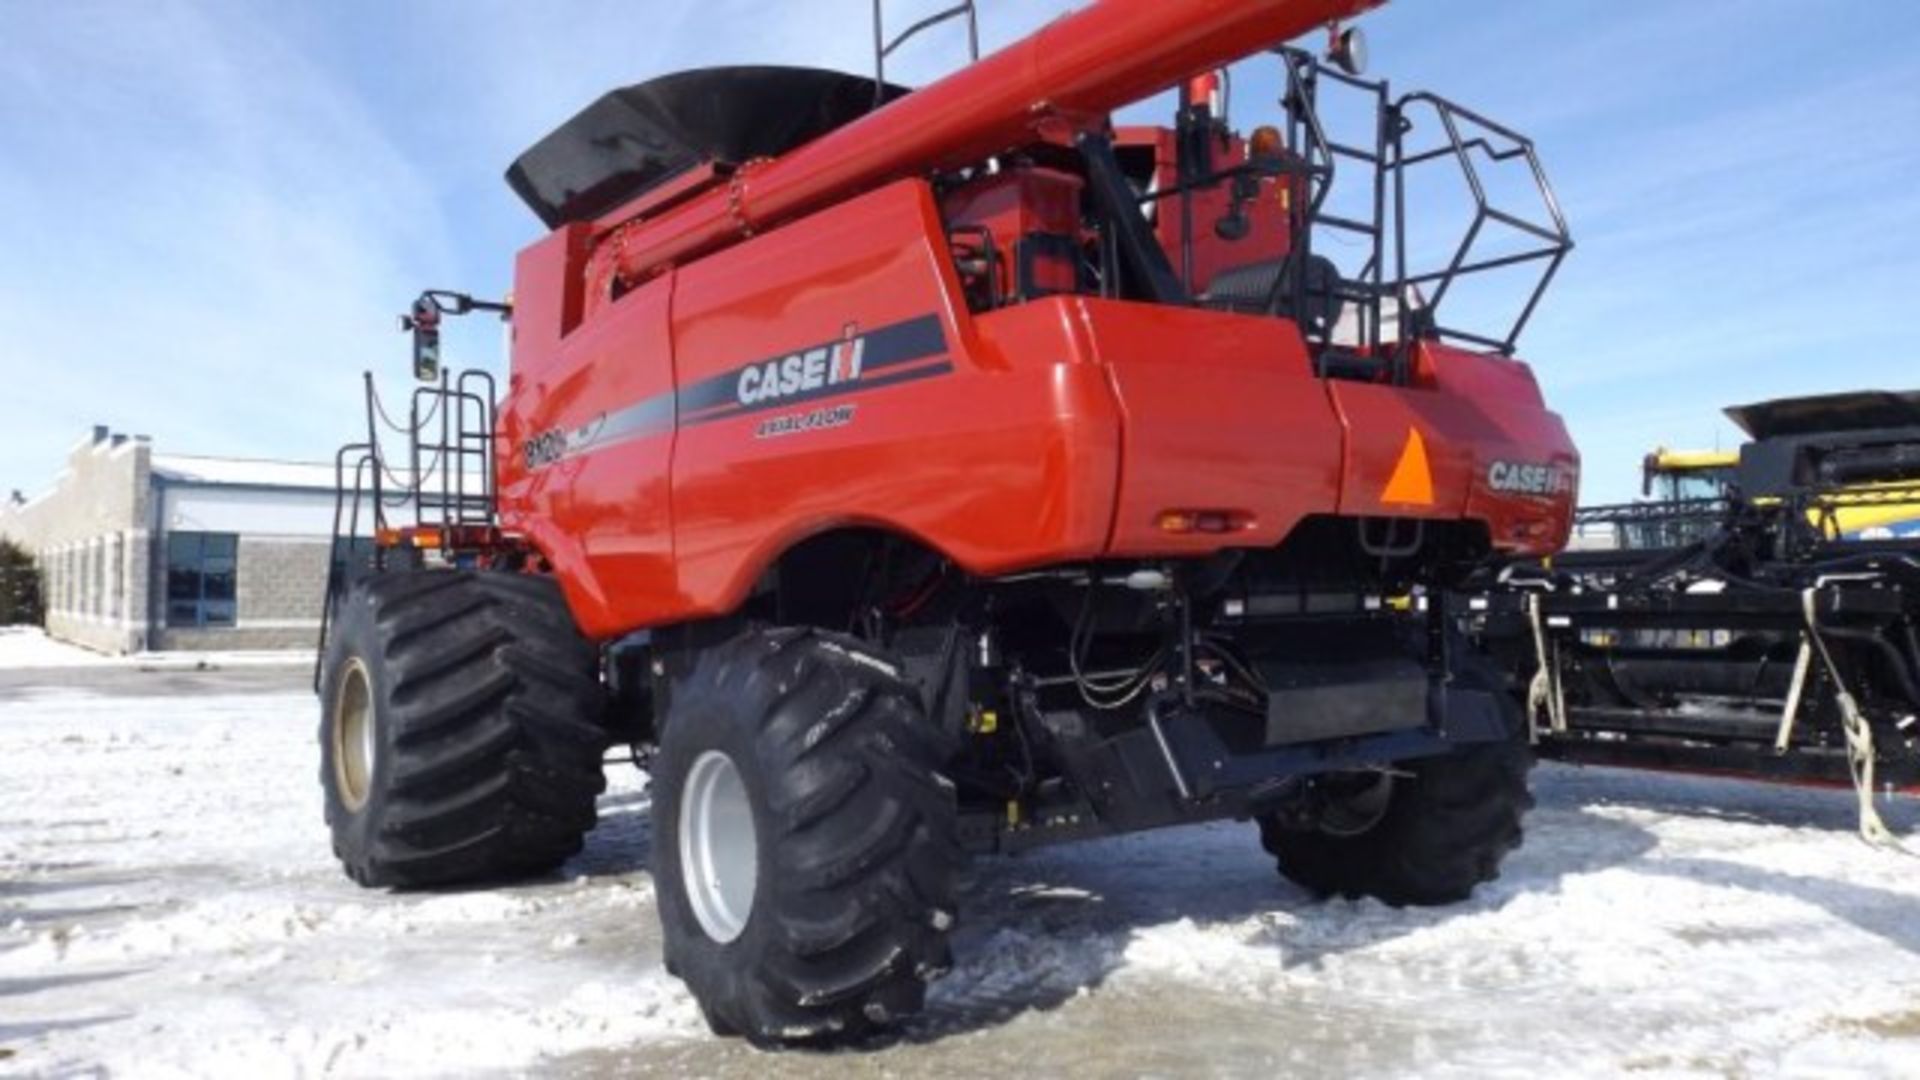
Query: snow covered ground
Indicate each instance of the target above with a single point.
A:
(168, 906)
(24, 647)
(30, 647)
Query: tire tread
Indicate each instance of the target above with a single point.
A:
(493, 697)
(868, 850)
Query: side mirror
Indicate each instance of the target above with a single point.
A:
(423, 320)
(425, 324)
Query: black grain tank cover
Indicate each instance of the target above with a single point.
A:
(1858, 411)
(635, 138)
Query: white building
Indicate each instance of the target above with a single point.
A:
(144, 550)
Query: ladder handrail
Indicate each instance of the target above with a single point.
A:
(463, 406)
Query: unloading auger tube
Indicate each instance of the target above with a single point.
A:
(1065, 78)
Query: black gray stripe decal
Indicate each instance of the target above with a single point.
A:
(886, 356)
(889, 346)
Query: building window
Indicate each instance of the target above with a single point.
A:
(200, 578)
(116, 578)
(97, 607)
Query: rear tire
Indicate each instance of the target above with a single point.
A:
(461, 729)
(1440, 830)
(811, 754)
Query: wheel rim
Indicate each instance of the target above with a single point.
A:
(719, 851)
(354, 746)
(1355, 812)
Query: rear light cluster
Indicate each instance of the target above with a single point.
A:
(1184, 522)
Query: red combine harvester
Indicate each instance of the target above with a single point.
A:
(911, 475)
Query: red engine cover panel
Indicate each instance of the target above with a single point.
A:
(667, 450)
(1223, 413)
(820, 379)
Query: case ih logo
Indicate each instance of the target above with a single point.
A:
(1520, 478)
(828, 365)
(859, 362)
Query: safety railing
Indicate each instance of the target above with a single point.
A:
(1653, 526)
(1411, 297)
(884, 46)
(1549, 240)
(1360, 292)
(449, 482)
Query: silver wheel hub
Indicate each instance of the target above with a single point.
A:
(719, 851)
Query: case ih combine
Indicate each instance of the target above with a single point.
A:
(912, 475)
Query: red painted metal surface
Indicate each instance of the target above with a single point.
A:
(1006, 460)
(1063, 428)
(601, 518)
(665, 439)
(1266, 211)
(1222, 412)
(1012, 205)
(1069, 75)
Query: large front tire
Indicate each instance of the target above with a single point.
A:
(805, 844)
(461, 729)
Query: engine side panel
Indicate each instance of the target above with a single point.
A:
(587, 435)
(1223, 414)
(1468, 438)
(1526, 470)
(682, 437)
(827, 379)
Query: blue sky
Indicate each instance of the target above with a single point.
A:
(211, 212)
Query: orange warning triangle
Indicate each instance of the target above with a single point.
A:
(1412, 480)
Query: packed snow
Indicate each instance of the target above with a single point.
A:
(169, 907)
(29, 648)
